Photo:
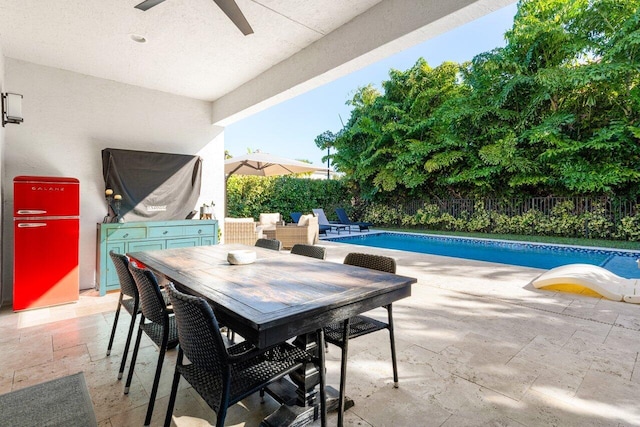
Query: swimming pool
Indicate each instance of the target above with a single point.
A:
(620, 262)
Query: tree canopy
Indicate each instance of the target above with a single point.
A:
(554, 112)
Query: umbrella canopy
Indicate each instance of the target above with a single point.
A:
(263, 164)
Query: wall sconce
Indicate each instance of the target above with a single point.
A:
(11, 108)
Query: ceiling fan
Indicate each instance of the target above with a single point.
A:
(229, 7)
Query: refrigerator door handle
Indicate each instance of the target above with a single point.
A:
(32, 224)
(31, 212)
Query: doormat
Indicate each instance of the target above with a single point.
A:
(61, 402)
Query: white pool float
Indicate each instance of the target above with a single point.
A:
(597, 279)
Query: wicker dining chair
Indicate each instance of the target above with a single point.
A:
(223, 375)
(158, 322)
(128, 299)
(362, 325)
(272, 244)
(319, 252)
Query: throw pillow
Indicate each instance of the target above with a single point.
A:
(304, 220)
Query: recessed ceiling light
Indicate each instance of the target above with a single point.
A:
(138, 38)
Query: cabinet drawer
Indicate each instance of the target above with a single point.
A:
(166, 231)
(198, 230)
(205, 241)
(188, 242)
(152, 245)
(127, 233)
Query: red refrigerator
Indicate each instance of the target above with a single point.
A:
(45, 241)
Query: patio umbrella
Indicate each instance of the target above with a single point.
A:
(263, 164)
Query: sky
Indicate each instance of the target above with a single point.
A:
(289, 128)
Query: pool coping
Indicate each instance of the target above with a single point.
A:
(596, 249)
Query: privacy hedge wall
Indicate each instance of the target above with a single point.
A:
(248, 196)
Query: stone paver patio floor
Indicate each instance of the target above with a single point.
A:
(476, 343)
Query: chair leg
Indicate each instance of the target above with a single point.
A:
(156, 379)
(323, 379)
(135, 356)
(174, 390)
(115, 323)
(221, 415)
(393, 347)
(132, 326)
(343, 370)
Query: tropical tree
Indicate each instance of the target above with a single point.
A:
(555, 111)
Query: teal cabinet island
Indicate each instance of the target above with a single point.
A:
(146, 236)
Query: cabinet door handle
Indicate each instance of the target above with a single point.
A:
(199, 231)
(165, 232)
(125, 236)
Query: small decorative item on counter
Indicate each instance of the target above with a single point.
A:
(114, 204)
(108, 193)
(206, 211)
(117, 202)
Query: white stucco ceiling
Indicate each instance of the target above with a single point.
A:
(194, 50)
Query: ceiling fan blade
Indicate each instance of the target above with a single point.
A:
(231, 9)
(148, 4)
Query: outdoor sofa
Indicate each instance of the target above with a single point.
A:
(241, 230)
(305, 231)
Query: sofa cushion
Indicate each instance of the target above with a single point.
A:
(304, 220)
(268, 221)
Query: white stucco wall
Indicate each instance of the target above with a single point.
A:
(69, 118)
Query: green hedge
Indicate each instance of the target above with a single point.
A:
(561, 222)
(248, 196)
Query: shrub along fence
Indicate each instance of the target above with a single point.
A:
(248, 196)
(602, 217)
(589, 217)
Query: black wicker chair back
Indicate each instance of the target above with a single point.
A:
(199, 332)
(224, 376)
(311, 251)
(272, 244)
(151, 300)
(127, 285)
(339, 333)
(374, 262)
(161, 329)
(128, 299)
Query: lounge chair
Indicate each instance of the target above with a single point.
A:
(576, 277)
(322, 229)
(344, 218)
(323, 221)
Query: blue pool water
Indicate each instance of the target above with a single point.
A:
(622, 263)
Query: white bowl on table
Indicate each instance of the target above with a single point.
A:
(241, 257)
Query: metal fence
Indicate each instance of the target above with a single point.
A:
(614, 208)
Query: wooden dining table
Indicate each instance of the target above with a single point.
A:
(277, 297)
